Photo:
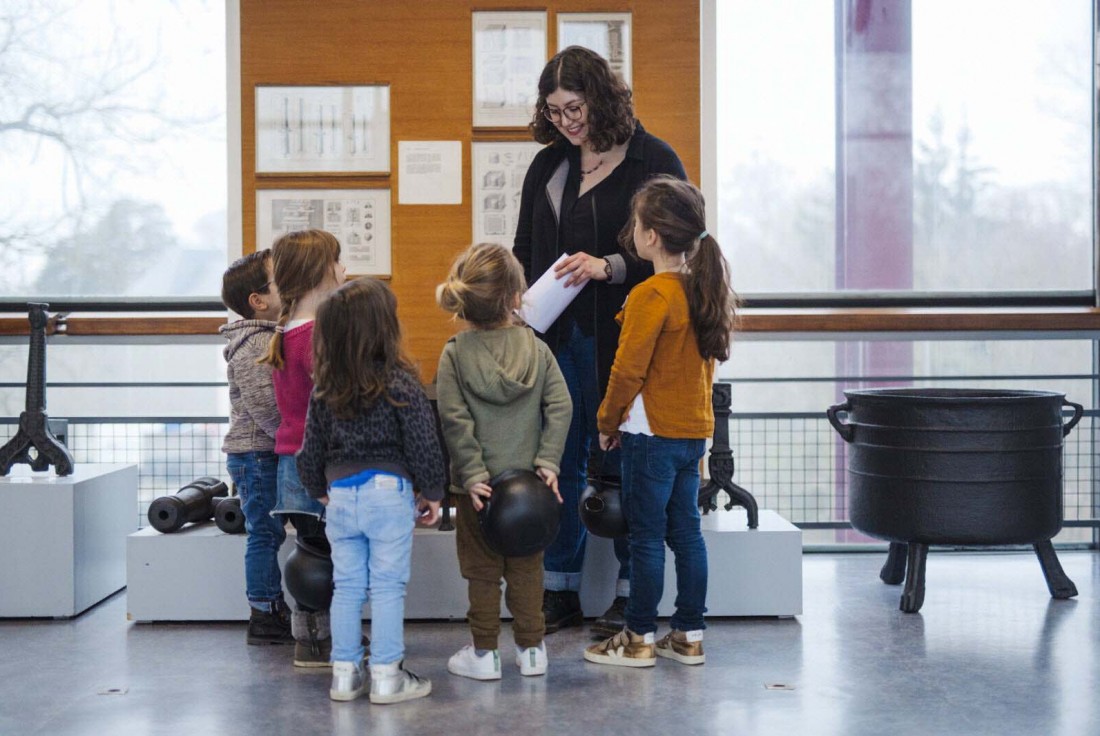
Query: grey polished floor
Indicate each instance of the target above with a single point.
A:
(989, 653)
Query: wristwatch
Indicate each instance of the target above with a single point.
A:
(607, 268)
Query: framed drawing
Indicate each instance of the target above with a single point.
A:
(325, 129)
(498, 172)
(359, 218)
(509, 54)
(608, 34)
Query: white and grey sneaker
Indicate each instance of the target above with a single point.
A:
(392, 683)
(466, 663)
(532, 660)
(348, 679)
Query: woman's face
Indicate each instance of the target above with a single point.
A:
(569, 114)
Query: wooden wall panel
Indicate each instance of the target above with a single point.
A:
(423, 50)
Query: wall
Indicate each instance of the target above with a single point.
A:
(423, 50)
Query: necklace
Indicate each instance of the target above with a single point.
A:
(586, 172)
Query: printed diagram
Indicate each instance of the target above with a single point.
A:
(498, 172)
(509, 53)
(322, 129)
(358, 218)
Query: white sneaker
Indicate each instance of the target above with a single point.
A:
(348, 679)
(392, 683)
(532, 660)
(466, 663)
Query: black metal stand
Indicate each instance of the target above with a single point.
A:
(721, 466)
(1058, 583)
(34, 432)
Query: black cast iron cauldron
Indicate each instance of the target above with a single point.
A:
(955, 467)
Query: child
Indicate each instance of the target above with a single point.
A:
(503, 405)
(306, 269)
(370, 439)
(658, 408)
(248, 290)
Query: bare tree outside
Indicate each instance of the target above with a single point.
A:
(112, 136)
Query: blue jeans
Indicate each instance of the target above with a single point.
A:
(293, 497)
(564, 558)
(370, 529)
(660, 495)
(255, 476)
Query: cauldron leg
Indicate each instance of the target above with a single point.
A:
(1058, 582)
(912, 596)
(893, 571)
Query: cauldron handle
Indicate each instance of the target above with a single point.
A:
(1078, 412)
(844, 430)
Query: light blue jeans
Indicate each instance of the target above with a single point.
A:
(370, 529)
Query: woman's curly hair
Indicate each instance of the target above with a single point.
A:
(607, 98)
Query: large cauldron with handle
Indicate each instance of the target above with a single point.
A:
(955, 467)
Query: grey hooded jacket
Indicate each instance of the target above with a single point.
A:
(253, 415)
(503, 403)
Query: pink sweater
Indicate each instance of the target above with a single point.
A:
(293, 386)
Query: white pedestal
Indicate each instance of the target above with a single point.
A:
(67, 536)
(197, 574)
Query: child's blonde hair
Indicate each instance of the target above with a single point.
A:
(301, 262)
(482, 285)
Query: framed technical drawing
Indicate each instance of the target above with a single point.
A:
(324, 129)
(498, 172)
(509, 54)
(608, 34)
(359, 218)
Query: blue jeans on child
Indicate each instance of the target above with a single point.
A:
(255, 476)
(293, 497)
(370, 528)
(660, 495)
(564, 558)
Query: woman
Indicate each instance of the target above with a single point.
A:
(576, 199)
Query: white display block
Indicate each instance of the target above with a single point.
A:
(197, 573)
(68, 535)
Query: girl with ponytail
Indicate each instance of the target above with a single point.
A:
(675, 325)
(306, 268)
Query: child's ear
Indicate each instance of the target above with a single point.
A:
(257, 301)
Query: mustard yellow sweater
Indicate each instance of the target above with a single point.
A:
(659, 358)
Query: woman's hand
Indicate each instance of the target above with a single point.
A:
(579, 268)
(477, 492)
(610, 442)
(550, 478)
(324, 500)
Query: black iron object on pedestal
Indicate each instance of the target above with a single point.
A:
(34, 431)
(955, 467)
(194, 502)
(720, 463)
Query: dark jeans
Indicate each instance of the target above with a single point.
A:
(564, 558)
(660, 493)
(254, 475)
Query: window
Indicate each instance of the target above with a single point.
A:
(932, 146)
(113, 142)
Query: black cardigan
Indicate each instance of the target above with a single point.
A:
(536, 244)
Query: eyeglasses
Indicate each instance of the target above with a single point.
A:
(263, 289)
(571, 112)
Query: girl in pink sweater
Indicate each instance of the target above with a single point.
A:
(307, 269)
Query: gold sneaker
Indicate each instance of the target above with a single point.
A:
(625, 649)
(683, 646)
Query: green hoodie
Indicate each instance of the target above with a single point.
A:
(503, 404)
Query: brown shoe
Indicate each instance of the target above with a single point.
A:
(677, 645)
(625, 649)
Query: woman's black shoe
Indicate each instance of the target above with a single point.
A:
(561, 608)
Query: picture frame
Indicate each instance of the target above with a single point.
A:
(509, 54)
(359, 218)
(498, 170)
(608, 34)
(325, 129)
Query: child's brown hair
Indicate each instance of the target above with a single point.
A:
(302, 261)
(244, 277)
(356, 346)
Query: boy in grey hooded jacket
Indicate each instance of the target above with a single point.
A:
(249, 290)
(504, 405)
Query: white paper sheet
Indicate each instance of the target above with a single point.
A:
(547, 299)
(430, 172)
